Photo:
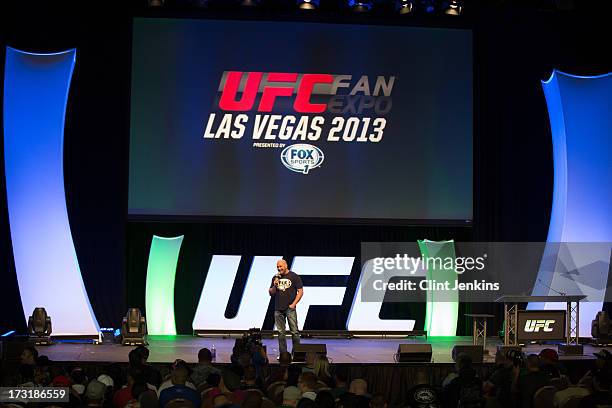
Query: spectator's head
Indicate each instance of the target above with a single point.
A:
(421, 377)
(291, 396)
(213, 379)
(29, 355)
(464, 362)
(78, 376)
(144, 353)
(378, 401)
(533, 362)
(310, 358)
(95, 392)
(284, 358)
(79, 379)
(179, 376)
(106, 380)
(321, 367)
(307, 382)
(501, 359)
(252, 400)
(135, 358)
(250, 374)
(601, 381)
(148, 399)
(325, 399)
(204, 356)
(340, 379)
(359, 387)
(220, 400)
(549, 356)
(604, 358)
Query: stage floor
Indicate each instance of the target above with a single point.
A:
(165, 349)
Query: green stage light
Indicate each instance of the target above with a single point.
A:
(159, 297)
(440, 313)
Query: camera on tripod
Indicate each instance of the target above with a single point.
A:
(250, 341)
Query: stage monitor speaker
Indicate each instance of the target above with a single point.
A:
(475, 352)
(300, 350)
(414, 353)
(571, 349)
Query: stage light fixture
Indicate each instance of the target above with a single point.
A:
(404, 6)
(308, 4)
(360, 6)
(454, 8)
(39, 326)
(133, 328)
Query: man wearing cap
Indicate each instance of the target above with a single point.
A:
(95, 393)
(549, 363)
(291, 396)
(603, 363)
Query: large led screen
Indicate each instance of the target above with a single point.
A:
(300, 120)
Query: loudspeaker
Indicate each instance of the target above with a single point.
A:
(300, 350)
(475, 352)
(571, 349)
(414, 353)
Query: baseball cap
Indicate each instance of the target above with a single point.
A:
(292, 393)
(106, 380)
(61, 381)
(549, 354)
(95, 390)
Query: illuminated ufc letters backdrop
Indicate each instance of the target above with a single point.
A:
(300, 120)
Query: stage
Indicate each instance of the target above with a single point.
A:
(165, 349)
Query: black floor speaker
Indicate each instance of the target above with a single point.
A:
(475, 352)
(300, 350)
(414, 353)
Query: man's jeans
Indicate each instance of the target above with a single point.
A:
(279, 319)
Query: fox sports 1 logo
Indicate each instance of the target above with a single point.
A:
(302, 157)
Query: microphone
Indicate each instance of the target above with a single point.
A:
(548, 287)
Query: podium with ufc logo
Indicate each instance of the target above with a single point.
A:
(541, 324)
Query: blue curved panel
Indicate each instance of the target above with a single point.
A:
(580, 114)
(35, 97)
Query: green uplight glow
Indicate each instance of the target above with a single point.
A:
(161, 271)
(440, 316)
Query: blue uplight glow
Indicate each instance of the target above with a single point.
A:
(36, 90)
(580, 114)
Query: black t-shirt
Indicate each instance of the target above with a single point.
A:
(286, 290)
(423, 396)
(502, 380)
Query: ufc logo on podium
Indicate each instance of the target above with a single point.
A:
(534, 326)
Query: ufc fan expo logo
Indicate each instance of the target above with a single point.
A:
(299, 112)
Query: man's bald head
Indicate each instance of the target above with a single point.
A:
(282, 267)
(358, 387)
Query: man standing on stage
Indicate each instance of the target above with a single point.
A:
(287, 290)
